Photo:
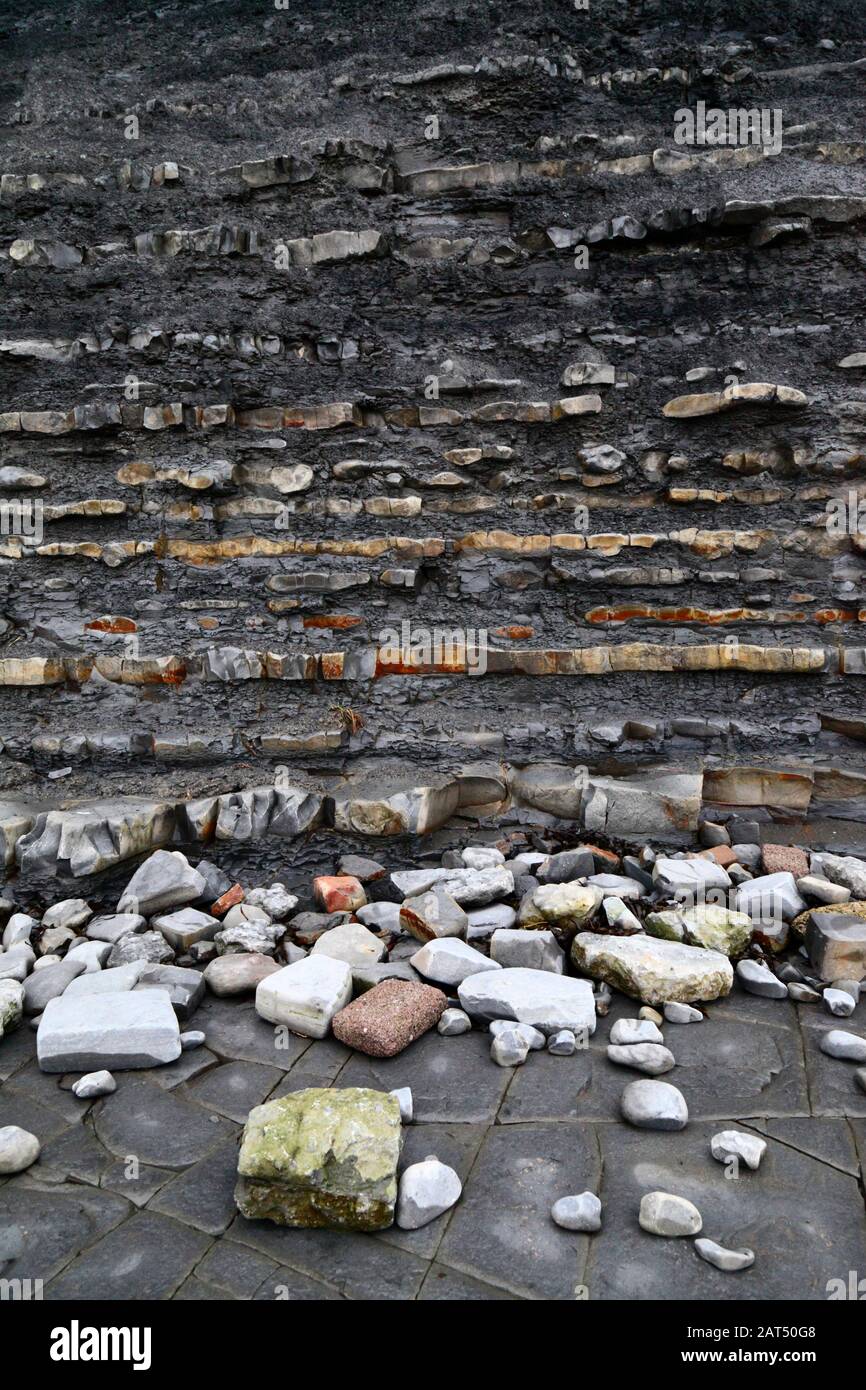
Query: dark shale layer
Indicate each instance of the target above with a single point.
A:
(337, 351)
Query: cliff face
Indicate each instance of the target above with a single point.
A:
(396, 419)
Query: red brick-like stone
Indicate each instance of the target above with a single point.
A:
(785, 859)
(339, 893)
(389, 1017)
(230, 898)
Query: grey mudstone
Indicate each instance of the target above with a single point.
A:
(236, 974)
(484, 921)
(352, 943)
(654, 1105)
(426, 1191)
(454, 1022)
(581, 1212)
(19, 928)
(184, 987)
(184, 927)
(11, 1005)
(728, 1260)
(509, 1048)
(72, 912)
(449, 961)
(564, 867)
(849, 1047)
(165, 880)
(770, 898)
(44, 985)
(117, 1031)
(93, 1084)
(148, 946)
(536, 950)
(682, 1013)
(734, 1143)
(649, 1058)
(664, 1214)
(563, 1043)
(757, 979)
(839, 1003)
(549, 1002)
(18, 1149)
(114, 927)
(626, 1031)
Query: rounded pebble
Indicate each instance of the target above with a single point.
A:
(18, 1149)
(728, 1260)
(95, 1083)
(453, 1022)
(654, 1105)
(579, 1213)
(663, 1214)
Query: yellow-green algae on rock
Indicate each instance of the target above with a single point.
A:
(322, 1157)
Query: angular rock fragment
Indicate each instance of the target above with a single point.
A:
(322, 1158)
(305, 996)
(546, 1001)
(654, 971)
(115, 1031)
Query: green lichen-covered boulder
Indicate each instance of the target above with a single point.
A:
(667, 925)
(718, 928)
(565, 907)
(322, 1158)
(654, 971)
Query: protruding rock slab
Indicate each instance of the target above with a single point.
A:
(116, 1031)
(322, 1157)
(547, 1001)
(653, 970)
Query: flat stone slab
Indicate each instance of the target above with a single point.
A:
(547, 1001)
(305, 996)
(116, 1031)
(653, 970)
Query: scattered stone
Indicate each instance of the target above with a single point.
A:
(822, 890)
(656, 972)
(564, 867)
(237, 974)
(802, 994)
(654, 1105)
(682, 1013)
(19, 1149)
(509, 1047)
(734, 1143)
(565, 907)
(305, 996)
(115, 927)
(94, 1084)
(757, 979)
(533, 1037)
(549, 1002)
(322, 1157)
(649, 1058)
(165, 880)
(276, 901)
(563, 1043)
(93, 953)
(386, 1019)
(433, 914)
(454, 1022)
(770, 898)
(627, 1031)
(688, 879)
(839, 1003)
(848, 1047)
(352, 943)
(380, 917)
(183, 928)
(44, 985)
(121, 1030)
(116, 980)
(836, 943)
(482, 857)
(728, 1260)
(663, 1214)
(581, 1212)
(191, 1040)
(619, 917)
(366, 977)
(654, 1016)
(403, 1095)
(72, 912)
(150, 946)
(449, 961)
(535, 950)
(844, 870)
(788, 859)
(16, 963)
(342, 893)
(19, 928)
(11, 1005)
(426, 1191)
(483, 922)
